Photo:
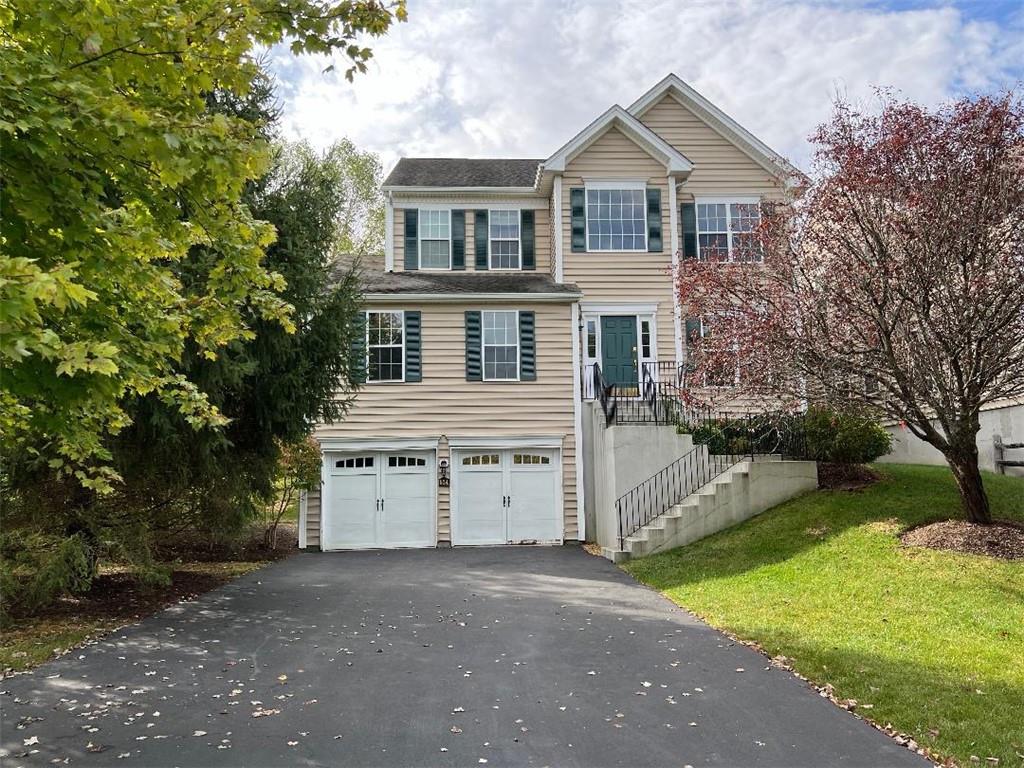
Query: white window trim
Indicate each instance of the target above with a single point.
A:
(623, 184)
(518, 240)
(739, 199)
(484, 345)
(420, 238)
(366, 339)
(736, 371)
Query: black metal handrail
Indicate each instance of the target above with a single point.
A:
(722, 440)
(659, 493)
(654, 399)
(604, 395)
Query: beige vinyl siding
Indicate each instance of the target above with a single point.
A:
(615, 276)
(313, 518)
(542, 236)
(445, 405)
(720, 167)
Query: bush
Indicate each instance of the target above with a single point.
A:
(36, 569)
(844, 437)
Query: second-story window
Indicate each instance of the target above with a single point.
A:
(726, 230)
(616, 219)
(435, 239)
(504, 239)
(385, 346)
(501, 346)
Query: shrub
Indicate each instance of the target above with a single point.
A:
(37, 568)
(844, 437)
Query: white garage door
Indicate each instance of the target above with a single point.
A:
(508, 496)
(379, 500)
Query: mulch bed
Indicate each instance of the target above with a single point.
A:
(1004, 540)
(199, 548)
(120, 596)
(845, 477)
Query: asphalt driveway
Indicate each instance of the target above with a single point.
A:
(506, 656)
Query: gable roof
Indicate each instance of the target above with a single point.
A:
(462, 172)
(732, 131)
(657, 147)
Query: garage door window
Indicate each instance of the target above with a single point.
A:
(482, 460)
(406, 461)
(358, 462)
(530, 458)
(385, 344)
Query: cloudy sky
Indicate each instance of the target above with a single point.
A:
(518, 78)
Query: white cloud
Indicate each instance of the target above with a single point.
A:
(517, 79)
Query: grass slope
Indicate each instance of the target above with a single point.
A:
(932, 641)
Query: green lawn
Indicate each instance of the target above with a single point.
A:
(932, 642)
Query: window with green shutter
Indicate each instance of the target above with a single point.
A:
(527, 347)
(458, 239)
(529, 238)
(480, 239)
(412, 241)
(413, 347)
(654, 241)
(578, 219)
(357, 351)
(688, 217)
(474, 369)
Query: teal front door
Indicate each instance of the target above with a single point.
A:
(618, 351)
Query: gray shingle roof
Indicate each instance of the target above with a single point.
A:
(465, 283)
(462, 172)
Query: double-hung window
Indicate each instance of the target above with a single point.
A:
(435, 228)
(504, 237)
(501, 346)
(721, 343)
(726, 230)
(385, 346)
(616, 217)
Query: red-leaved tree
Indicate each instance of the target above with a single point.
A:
(892, 282)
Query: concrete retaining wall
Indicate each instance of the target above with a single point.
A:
(1007, 421)
(747, 490)
(617, 459)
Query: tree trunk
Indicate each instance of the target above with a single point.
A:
(964, 463)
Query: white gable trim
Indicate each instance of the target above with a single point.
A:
(617, 117)
(714, 117)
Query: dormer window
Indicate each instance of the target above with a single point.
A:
(435, 228)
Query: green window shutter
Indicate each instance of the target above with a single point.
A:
(474, 366)
(527, 347)
(578, 219)
(413, 356)
(412, 242)
(688, 214)
(458, 239)
(692, 333)
(654, 220)
(480, 238)
(527, 236)
(357, 357)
